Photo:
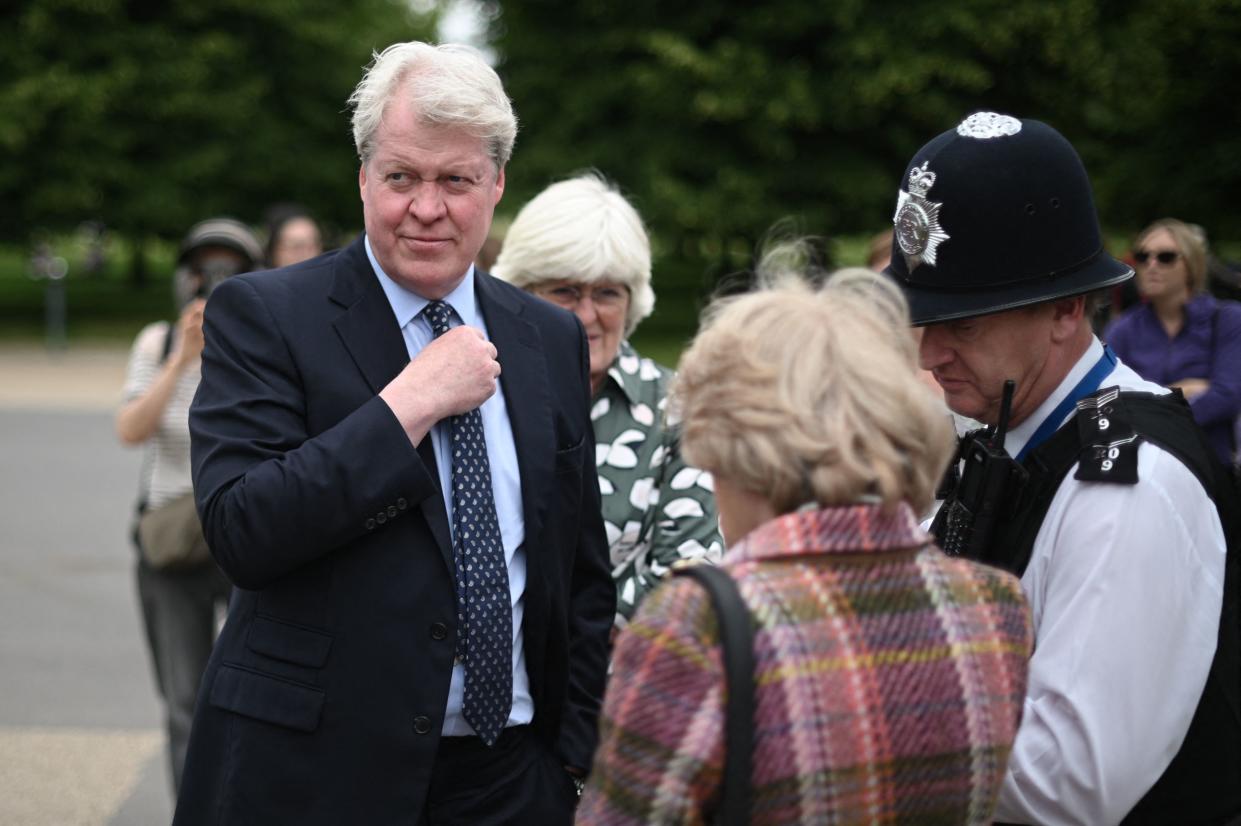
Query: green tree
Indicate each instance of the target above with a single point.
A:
(721, 119)
(151, 115)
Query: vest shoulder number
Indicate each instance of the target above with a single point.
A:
(1109, 443)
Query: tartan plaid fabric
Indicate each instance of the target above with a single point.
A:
(889, 687)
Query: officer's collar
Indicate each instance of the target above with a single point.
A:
(1019, 435)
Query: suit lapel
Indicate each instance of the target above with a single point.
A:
(368, 330)
(367, 326)
(527, 397)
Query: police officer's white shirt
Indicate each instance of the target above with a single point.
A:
(1125, 584)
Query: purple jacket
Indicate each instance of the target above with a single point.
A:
(1207, 347)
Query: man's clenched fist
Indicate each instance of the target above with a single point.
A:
(453, 374)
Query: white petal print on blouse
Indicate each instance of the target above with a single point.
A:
(682, 507)
(687, 477)
(643, 494)
(642, 414)
(619, 454)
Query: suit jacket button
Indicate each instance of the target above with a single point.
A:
(370, 524)
(381, 517)
(422, 724)
(401, 504)
(438, 630)
(392, 511)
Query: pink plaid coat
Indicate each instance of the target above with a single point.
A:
(889, 687)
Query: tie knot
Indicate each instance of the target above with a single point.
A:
(439, 313)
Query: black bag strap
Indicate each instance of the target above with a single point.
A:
(167, 348)
(737, 640)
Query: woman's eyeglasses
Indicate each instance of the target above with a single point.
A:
(569, 295)
(1163, 256)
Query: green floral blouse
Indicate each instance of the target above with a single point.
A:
(656, 508)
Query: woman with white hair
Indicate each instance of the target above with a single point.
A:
(581, 245)
(888, 677)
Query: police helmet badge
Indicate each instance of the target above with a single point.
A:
(918, 232)
(986, 125)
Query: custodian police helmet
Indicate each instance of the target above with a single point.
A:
(993, 215)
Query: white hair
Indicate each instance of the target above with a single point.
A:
(581, 229)
(448, 85)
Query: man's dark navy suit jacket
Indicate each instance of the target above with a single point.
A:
(325, 694)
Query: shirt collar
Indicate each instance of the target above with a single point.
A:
(1019, 435)
(626, 371)
(406, 304)
(848, 529)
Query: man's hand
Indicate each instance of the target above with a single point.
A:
(453, 374)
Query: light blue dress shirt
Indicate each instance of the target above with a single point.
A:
(505, 481)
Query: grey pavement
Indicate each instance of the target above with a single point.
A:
(81, 739)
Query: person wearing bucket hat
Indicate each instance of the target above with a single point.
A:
(179, 592)
(1091, 484)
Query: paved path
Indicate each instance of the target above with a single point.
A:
(86, 377)
(81, 742)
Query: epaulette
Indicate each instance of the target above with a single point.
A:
(1109, 443)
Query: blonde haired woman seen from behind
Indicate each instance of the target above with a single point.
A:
(890, 677)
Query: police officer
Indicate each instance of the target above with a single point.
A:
(1101, 494)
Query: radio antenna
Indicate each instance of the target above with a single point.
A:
(1006, 409)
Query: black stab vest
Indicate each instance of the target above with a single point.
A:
(1202, 785)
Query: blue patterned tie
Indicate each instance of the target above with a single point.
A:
(484, 610)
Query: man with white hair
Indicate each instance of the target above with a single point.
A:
(1094, 486)
(393, 460)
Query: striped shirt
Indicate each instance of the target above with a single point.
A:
(166, 455)
(889, 687)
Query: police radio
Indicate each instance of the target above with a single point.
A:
(982, 480)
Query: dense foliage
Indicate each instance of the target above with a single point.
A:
(152, 114)
(721, 119)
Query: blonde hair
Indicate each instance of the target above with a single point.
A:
(810, 395)
(1191, 241)
(448, 85)
(581, 229)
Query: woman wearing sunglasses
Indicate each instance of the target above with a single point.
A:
(1179, 336)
